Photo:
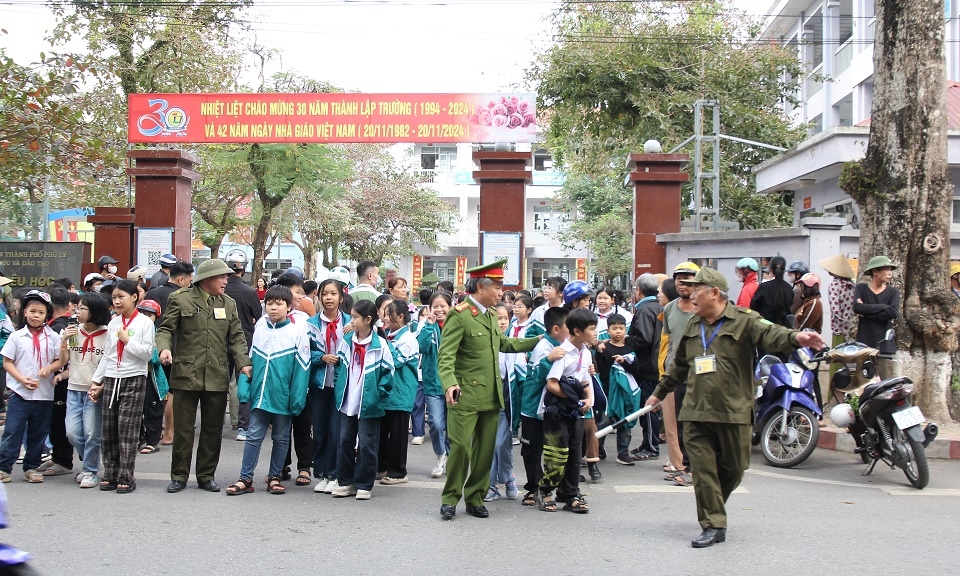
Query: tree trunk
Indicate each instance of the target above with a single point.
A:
(214, 245)
(904, 190)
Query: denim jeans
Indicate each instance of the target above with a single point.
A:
(417, 416)
(326, 432)
(28, 422)
(437, 415)
(259, 421)
(84, 421)
(359, 444)
(501, 471)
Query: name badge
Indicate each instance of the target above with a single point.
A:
(220, 313)
(705, 364)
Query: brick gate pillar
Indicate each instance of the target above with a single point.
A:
(656, 180)
(503, 178)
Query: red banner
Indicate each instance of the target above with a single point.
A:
(582, 269)
(461, 272)
(331, 118)
(417, 271)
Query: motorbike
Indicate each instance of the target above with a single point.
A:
(786, 414)
(878, 413)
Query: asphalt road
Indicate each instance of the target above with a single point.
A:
(823, 516)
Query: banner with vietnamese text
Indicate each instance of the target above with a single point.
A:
(326, 118)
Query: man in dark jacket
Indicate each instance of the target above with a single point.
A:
(181, 274)
(644, 337)
(249, 309)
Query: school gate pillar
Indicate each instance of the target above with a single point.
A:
(656, 182)
(503, 178)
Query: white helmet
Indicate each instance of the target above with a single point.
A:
(340, 274)
(842, 415)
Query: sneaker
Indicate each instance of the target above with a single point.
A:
(57, 470)
(515, 441)
(33, 476)
(321, 486)
(363, 494)
(492, 494)
(241, 435)
(511, 490)
(344, 491)
(331, 484)
(417, 440)
(625, 459)
(79, 477)
(90, 480)
(4, 476)
(389, 481)
(440, 468)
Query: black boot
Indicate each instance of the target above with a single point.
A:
(594, 469)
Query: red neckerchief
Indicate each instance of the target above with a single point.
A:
(291, 318)
(88, 340)
(359, 355)
(440, 324)
(516, 330)
(331, 334)
(120, 344)
(36, 344)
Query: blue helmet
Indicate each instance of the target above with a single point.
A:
(575, 290)
(296, 271)
(749, 263)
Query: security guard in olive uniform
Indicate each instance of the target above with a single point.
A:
(715, 358)
(469, 370)
(199, 326)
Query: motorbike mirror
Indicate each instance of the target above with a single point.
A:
(803, 355)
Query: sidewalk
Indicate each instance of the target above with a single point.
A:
(838, 439)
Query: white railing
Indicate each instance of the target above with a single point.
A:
(435, 176)
(460, 237)
(813, 84)
(843, 57)
(541, 238)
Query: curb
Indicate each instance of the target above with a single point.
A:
(839, 440)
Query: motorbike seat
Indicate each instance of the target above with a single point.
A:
(873, 389)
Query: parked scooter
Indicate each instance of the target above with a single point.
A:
(878, 414)
(786, 414)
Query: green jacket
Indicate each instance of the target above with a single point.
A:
(469, 356)
(200, 341)
(429, 339)
(406, 358)
(727, 394)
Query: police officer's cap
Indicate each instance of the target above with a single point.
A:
(710, 277)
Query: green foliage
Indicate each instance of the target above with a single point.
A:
(603, 222)
(620, 73)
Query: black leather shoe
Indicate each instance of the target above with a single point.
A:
(209, 486)
(175, 486)
(447, 512)
(709, 537)
(478, 511)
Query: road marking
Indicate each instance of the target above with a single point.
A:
(665, 489)
(810, 480)
(890, 490)
(904, 491)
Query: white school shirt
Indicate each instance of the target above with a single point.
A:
(329, 380)
(20, 349)
(602, 320)
(355, 376)
(575, 363)
(137, 352)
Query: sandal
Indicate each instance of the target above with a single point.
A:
(684, 479)
(669, 467)
(285, 474)
(577, 505)
(645, 455)
(148, 449)
(274, 486)
(671, 475)
(303, 478)
(107, 485)
(529, 499)
(546, 503)
(241, 486)
(126, 488)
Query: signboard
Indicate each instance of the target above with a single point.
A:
(461, 272)
(582, 269)
(807, 202)
(498, 245)
(39, 264)
(152, 243)
(417, 271)
(326, 118)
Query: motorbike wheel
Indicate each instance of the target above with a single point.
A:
(803, 435)
(916, 470)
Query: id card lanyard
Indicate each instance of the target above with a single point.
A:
(708, 362)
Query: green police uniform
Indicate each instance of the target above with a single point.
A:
(199, 329)
(718, 408)
(468, 358)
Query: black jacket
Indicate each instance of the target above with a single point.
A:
(765, 301)
(644, 337)
(248, 305)
(160, 294)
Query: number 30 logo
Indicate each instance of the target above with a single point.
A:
(161, 119)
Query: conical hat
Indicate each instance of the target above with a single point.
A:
(838, 266)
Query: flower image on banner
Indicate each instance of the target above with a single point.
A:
(505, 118)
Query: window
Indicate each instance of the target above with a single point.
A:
(542, 161)
(272, 264)
(550, 218)
(444, 269)
(442, 158)
(540, 271)
(956, 211)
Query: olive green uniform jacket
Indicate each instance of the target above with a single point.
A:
(199, 334)
(726, 395)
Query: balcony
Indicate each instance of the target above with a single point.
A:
(843, 57)
(434, 176)
(813, 84)
(469, 237)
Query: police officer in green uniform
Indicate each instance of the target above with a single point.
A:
(715, 358)
(469, 369)
(198, 328)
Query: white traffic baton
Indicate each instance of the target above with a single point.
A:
(623, 422)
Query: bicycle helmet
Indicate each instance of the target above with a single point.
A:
(798, 267)
(236, 259)
(686, 268)
(150, 306)
(340, 274)
(575, 290)
(748, 263)
(167, 260)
